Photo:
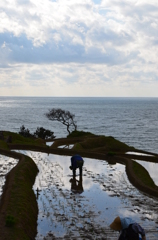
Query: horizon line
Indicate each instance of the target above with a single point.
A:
(85, 96)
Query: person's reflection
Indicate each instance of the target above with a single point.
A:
(37, 193)
(76, 185)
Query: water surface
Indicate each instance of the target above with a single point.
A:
(6, 164)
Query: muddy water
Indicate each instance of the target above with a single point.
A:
(6, 164)
(85, 212)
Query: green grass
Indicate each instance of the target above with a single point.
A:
(102, 144)
(3, 145)
(10, 221)
(19, 139)
(77, 146)
(80, 134)
(111, 153)
(143, 175)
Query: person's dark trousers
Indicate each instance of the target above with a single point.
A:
(74, 172)
(80, 169)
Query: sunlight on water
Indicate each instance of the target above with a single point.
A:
(140, 154)
(104, 193)
(69, 146)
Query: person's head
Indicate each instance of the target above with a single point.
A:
(116, 224)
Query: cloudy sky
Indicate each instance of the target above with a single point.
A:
(79, 48)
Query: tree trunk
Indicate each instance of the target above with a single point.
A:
(68, 129)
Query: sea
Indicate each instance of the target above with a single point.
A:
(133, 121)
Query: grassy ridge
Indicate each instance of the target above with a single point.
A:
(21, 202)
(80, 134)
(102, 144)
(19, 139)
(143, 175)
(3, 145)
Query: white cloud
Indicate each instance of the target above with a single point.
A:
(76, 80)
(98, 45)
(3, 45)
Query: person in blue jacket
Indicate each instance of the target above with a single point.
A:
(76, 162)
(128, 228)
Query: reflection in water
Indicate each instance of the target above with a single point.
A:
(37, 193)
(107, 194)
(76, 185)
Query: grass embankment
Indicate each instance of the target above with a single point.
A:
(77, 134)
(4, 145)
(102, 144)
(140, 178)
(19, 139)
(18, 202)
(143, 175)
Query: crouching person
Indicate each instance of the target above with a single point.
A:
(128, 228)
(76, 162)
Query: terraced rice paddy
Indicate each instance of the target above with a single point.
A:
(86, 211)
(83, 208)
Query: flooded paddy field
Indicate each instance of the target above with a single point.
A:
(74, 208)
(83, 208)
(6, 164)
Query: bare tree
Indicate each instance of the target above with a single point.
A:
(65, 117)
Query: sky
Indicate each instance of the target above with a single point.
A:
(86, 48)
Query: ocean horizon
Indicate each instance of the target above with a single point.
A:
(132, 120)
